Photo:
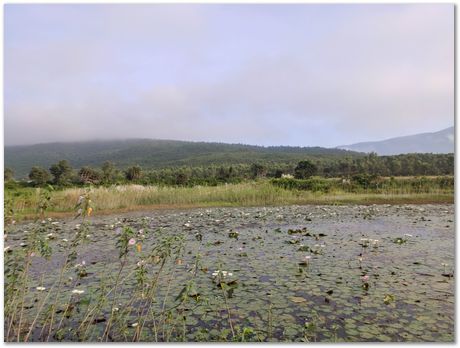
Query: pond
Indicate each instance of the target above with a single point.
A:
(295, 273)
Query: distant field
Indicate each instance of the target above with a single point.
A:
(23, 202)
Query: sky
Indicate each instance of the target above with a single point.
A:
(301, 75)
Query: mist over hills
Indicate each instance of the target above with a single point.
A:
(154, 154)
(436, 142)
(151, 154)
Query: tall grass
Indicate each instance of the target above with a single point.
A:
(257, 193)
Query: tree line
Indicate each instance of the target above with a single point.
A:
(63, 174)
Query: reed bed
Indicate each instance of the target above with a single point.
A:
(256, 193)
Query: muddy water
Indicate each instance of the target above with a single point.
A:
(408, 296)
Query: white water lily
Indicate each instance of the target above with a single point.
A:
(78, 292)
(134, 325)
(224, 273)
(41, 288)
(65, 240)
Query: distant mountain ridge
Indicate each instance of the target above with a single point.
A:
(151, 154)
(436, 142)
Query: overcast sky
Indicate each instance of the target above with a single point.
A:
(303, 75)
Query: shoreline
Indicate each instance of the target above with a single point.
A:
(374, 200)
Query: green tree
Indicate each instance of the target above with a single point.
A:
(8, 174)
(62, 172)
(133, 173)
(304, 170)
(108, 172)
(39, 176)
(257, 170)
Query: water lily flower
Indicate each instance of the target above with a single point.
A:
(77, 226)
(132, 241)
(115, 309)
(65, 240)
(134, 325)
(141, 231)
(41, 288)
(78, 292)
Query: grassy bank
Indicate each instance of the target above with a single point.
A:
(24, 202)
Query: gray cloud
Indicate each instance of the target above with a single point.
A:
(375, 73)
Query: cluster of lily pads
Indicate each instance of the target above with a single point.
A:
(226, 274)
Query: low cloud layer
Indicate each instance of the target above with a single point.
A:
(302, 75)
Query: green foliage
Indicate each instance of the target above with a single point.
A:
(315, 184)
(62, 172)
(156, 154)
(44, 201)
(257, 170)
(109, 172)
(304, 170)
(39, 176)
(133, 173)
(8, 174)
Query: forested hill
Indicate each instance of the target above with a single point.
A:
(151, 154)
